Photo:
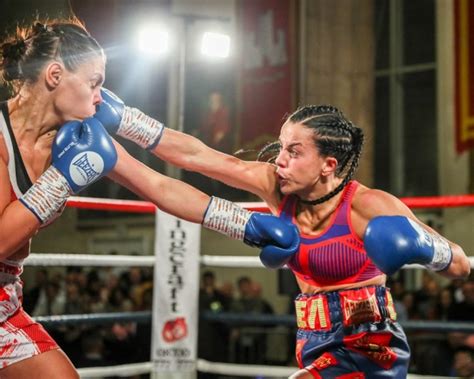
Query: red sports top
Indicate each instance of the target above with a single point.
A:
(337, 255)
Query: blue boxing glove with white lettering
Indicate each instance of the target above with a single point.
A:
(393, 241)
(278, 239)
(82, 152)
(129, 123)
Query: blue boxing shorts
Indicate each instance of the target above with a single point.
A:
(351, 334)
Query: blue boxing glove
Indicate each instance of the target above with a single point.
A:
(130, 123)
(110, 111)
(82, 152)
(393, 241)
(278, 239)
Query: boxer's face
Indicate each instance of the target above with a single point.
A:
(79, 91)
(299, 164)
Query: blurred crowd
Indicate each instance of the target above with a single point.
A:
(453, 302)
(78, 291)
(82, 291)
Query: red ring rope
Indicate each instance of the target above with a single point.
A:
(135, 206)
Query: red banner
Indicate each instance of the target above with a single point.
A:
(464, 73)
(265, 72)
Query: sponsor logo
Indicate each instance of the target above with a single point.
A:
(176, 256)
(359, 306)
(86, 167)
(174, 330)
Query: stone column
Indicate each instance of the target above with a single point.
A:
(338, 64)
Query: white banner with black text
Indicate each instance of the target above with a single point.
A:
(175, 294)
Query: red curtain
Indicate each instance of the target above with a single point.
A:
(265, 70)
(464, 73)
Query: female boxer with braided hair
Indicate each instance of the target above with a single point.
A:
(351, 235)
(56, 71)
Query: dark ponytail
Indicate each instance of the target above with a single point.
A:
(24, 54)
(12, 52)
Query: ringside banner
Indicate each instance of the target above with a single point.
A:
(175, 294)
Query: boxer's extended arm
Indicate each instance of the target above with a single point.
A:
(394, 237)
(279, 240)
(186, 151)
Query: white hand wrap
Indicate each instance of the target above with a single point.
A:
(226, 217)
(140, 128)
(443, 255)
(48, 195)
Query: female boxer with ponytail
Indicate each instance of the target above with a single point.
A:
(56, 72)
(351, 235)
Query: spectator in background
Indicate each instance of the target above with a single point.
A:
(96, 301)
(429, 307)
(51, 302)
(257, 295)
(31, 297)
(93, 350)
(119, 301)
(463, 311)
(408, 301)
(398, 290)
(463, 364)
(445, 303)
(455, 286)
(216, 127)
(70, 337)
(429, 290)
(249, 343)
(140, 282)
(227, 289)
(210, 297)
(213, 337)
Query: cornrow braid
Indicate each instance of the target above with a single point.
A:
(300, 115)
(272, 147)
(336, 136)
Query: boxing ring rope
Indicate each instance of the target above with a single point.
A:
(214, 261)
(59, 259)
(235, 319)
(137, 206)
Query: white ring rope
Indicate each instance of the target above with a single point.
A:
(208, 367)
(119, 370)
(38, 259)
(60, 259)
(89, 260)
(244, 370)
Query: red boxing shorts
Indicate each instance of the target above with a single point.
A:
(21, 338)
(351, 334)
